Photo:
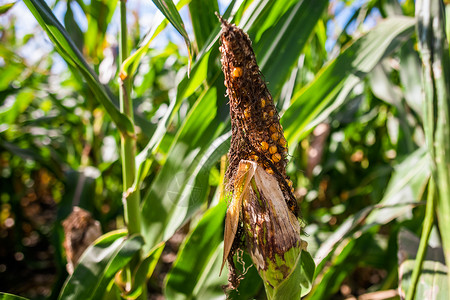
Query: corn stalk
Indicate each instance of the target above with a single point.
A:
(433, 46)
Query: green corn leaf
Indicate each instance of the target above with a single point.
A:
(353, 250)
(404, 191)
(185, 89)
(405, 187)
(145, 270)
(6, 296)
(99, 264)
(130, 65)
(278, 49)
(22, 100)
(434, 51)
(99, 14)
(170, 11)
(432, 282)
(10, 71)
(70, 53)
(203, 19)
(195, 255)
(182, 185)
(334, 82)
(5, 7)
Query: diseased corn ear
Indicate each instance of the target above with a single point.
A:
(271, 230)
(262, 213)
(257, 133)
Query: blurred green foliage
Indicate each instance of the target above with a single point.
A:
(346, 76)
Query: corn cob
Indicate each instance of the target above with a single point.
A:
(262, 215)
(257, 134)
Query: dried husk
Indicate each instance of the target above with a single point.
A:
(271, 230)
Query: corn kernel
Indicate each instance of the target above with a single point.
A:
(237, 72)
(271, 113)
(246, 113)
(254, 157)
(275, 136)
(264, 146)
(273, 128)
(292, 190)
(282, 142)
(263, 103)
(273, 149)
(276, 157)
(269, 170)
(289, 182)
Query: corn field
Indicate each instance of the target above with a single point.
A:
(232, 149)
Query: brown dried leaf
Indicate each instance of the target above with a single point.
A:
(244, 176)
(80, 230)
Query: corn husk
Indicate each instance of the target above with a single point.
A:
(271, 230)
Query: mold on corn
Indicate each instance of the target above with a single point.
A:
(256, 129)
(257, 140)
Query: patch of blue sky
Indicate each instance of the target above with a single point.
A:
(343, 14)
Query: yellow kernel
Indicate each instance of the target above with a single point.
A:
(254, 157)
(289, 182)
(282, 142)
(269, 170)
(263, 103)
(271, 113)
(275, 136)
(264, 115)
(292, 190)
(264, 146)
(276, 157)
(246, 113)
(273, 128)
(273, 149)
(237, 72)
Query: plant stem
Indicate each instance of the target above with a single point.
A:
(422, 251)
(131, 196)
(433, 47)
(128, 146)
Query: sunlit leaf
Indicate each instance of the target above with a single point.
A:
(331, 86)
(22, 101)
(434, 51)
(278, 49)
(203, 19)
(70, 53)
(5, 7)
(170, 11)
(131, 63)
